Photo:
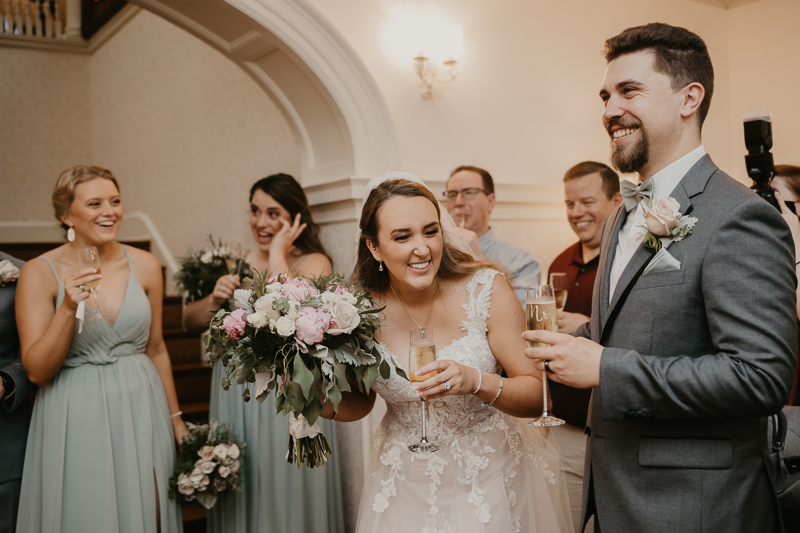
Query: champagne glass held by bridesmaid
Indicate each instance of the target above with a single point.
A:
(111, 383)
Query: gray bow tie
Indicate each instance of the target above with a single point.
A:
(632, 194)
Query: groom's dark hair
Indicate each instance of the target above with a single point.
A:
(679, 54)
(455, 264)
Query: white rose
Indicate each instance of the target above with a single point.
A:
(221, 451)
(284, 326)
(349, 297)
(274, 287)
(185, 486)
(204, 483)
(233, 465)
(8, 272)
(205, 467)
(207, 256)
(264, 304)
(294, 310)
(206, 453)
(224, 471)
(328, 299)
(242, 298)
(257, 320)
(196, 478)
(345, 318)
(233, 451)
(664, 214)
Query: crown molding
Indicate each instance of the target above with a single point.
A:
(727, 4)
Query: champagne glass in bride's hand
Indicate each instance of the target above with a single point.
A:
(421, 352)
(90, 258)
(541, 313)
(559, 282)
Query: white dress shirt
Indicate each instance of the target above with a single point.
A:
(632, 232)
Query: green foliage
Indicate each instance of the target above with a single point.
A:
(200, 270)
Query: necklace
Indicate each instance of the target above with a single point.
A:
(406, 308)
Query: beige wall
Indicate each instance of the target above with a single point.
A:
(186, 131)
(44, 127)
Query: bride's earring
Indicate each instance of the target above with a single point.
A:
(380, 268)
(70, 234)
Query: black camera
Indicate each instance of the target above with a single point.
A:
(760, 167)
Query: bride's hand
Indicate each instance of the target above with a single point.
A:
(461, 379)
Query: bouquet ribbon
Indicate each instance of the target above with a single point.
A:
(300, 429)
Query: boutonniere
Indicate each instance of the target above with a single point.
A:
(665, 224)
(8, 273)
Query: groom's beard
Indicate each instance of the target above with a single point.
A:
(632, 158)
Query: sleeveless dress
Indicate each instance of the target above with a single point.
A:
(492, 473)
(276, 495)
(100, 438)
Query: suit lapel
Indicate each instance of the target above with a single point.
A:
(607, 253)
(691, 185)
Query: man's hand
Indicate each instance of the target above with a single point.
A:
(574, 361)
(472, 239)
(569, 322)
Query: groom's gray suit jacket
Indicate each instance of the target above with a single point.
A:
(694, 361)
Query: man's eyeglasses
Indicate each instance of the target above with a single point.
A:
(468, 194)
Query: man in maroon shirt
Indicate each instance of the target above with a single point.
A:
(591, 193)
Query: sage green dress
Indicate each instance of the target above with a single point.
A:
(100, 438)
(276, 496)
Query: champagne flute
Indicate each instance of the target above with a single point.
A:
(541, 313)
(90, 258)
(234, 261)
(559, 282)
(422, 351)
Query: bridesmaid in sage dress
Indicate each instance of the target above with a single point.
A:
(100, 448)
(277, 496)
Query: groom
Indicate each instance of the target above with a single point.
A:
(688, 351)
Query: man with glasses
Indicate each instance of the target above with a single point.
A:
(469, 197)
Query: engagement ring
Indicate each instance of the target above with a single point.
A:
(547, 366)
(82, 288)
(447, 385)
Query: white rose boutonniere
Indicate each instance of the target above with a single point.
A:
(8, 273)
(665, 224)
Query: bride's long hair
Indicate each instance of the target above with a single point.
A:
(455, 264)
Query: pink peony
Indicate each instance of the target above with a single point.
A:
(297, 289)
(274, 279)
(312, 324)
(234, 324)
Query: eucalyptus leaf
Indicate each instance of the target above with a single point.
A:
(303, 376)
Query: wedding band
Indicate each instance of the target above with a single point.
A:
(82, 288)
(547, 366)
(446, 385)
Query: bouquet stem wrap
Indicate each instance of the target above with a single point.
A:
(307, 444)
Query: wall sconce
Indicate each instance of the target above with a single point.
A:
(427, 72)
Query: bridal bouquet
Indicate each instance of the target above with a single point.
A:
(316, 335)
(208, 465)
(200, 270)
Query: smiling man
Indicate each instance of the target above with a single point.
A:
(692, 338)
(469, 197)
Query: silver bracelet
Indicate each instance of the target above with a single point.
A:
(498, 393)
(176, 415)
(480, 381)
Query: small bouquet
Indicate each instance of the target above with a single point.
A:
(200, 270)
(316, 334)
(208, 465)
(8, 273)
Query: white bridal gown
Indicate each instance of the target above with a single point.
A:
(492, 473)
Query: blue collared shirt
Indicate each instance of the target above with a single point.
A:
(523, 268)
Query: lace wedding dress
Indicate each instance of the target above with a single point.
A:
(492, 473)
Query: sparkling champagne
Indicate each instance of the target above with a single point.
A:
(561, 298)
(541, 314)
(420, 356)
(96, 284)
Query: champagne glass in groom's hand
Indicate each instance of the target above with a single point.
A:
(541, 314)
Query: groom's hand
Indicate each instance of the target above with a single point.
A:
(574, 361)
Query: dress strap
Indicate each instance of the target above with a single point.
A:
(55, 272)
(128, 257)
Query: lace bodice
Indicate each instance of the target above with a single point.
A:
(453, 413)
(485, 461)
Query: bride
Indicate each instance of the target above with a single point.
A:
(492, 472)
